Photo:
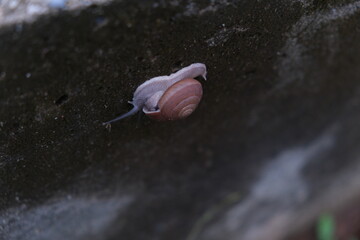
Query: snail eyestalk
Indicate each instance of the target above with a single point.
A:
(131, 112)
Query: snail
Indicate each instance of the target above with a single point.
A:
(168, 97)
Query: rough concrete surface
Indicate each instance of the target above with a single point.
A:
(274, 143)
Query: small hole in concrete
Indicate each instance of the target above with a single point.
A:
(62, 99)
(140, 59)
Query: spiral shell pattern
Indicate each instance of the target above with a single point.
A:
(179, 100)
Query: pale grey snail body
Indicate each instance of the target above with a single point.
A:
(178, 92)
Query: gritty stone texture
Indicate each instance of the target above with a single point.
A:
(274, 142)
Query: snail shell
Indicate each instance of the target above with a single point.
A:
(177, 102)
(168, 97)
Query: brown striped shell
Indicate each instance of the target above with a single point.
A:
(177, 102)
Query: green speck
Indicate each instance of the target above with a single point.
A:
(325, 228)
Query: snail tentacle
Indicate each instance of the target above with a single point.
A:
(134, 110)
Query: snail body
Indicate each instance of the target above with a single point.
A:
(169, 97)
